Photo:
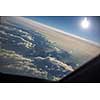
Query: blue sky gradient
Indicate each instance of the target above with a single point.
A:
(71, 24)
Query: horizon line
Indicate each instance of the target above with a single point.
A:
(65, 33)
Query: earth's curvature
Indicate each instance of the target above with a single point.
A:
(27, 52)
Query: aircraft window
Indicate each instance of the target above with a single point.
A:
(47, 47)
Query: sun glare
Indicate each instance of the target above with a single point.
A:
(85, 23)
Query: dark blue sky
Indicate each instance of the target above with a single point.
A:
(72, 25)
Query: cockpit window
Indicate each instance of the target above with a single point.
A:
(47, 47)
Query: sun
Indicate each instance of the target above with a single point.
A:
(85, 23)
